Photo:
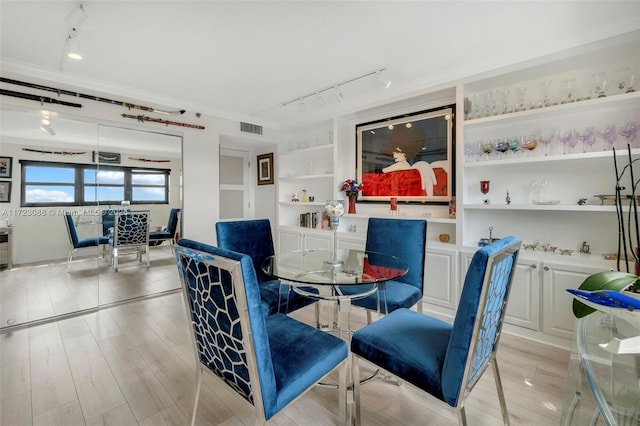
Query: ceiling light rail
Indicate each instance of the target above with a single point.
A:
(335, 87)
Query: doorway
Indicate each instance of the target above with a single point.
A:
(235, 188)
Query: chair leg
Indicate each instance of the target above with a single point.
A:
(355, 374)
(196, 396)
(462, 416)
(69, 258)
(503, 404)
(146, 251)
(343, 377)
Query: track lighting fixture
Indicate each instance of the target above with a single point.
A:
(75, 18)
(46, 126)
(72, 49)
(336, 90)
(384, 81)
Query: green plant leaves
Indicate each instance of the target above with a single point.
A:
(606, 280)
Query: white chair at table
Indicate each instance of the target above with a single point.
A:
(130, 235)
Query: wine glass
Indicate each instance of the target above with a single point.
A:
(547, 136)
(501, 146)
(335, 209)
(587, 137)
(626, 80)
(609, 134)
(570, 95)
(484, 188)
(514, 145)
(487, 148)
(493, 100)
(569, 139)
(504, 96)
(547, 100)
(599, 84)
(629, 131)
(529, 143)
(520, 94)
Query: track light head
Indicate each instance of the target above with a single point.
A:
(77, 16)
(47, 128)
(384, 81)
(72, 48)
(339, 95)
(301, 106)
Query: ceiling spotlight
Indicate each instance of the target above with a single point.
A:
(77, 16)
(46, 121)
(73, 47)
(320, 100)
(384, 81)
(408, 125)
(390, 127)
(47, 128)
(338, 94)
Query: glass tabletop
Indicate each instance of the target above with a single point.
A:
(319, 267)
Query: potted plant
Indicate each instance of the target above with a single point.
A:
(628, 241)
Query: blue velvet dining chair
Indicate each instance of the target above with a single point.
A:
(130, 235)
(76, 242)
(169, 231)
(446, 360)
(269, 360)
(254, 238)
(405, 239)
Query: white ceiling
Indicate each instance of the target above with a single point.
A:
(243, 59)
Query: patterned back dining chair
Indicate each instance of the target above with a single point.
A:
(446, 360)
(269, 360)
(76, 242)
(130, 234)
(169, 231)
(254, 238)
(405, 239)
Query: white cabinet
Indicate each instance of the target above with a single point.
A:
(558, 319)
(441, 277)
(293, 238)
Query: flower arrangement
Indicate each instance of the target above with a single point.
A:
(351, 187)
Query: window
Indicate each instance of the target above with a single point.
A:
(63, 184)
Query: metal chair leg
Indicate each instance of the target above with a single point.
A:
(355, 372)
(503, 404)
(196, 396)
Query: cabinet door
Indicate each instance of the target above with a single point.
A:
(558, 317)
(440, 277)
(523, 307)
(289, 240)
(353, 243)
(318, 241)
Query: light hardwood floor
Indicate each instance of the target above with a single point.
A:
(133, 364)
(35, 292)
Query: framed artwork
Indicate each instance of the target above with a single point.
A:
(265, 169)
(409, 157)
(5, 191)
(6, 164)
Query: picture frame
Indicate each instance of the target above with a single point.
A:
(265, 169)
(5, 191)
(6, 165)
(408, 157)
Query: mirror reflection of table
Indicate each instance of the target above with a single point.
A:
(312, 273)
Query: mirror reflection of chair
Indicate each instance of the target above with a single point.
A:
(405, 239)
(254, 238)
(130, 235)
(169, 232)
(77, 242)
(446, 360)
(269, 360)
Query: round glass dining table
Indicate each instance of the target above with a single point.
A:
(324, 275)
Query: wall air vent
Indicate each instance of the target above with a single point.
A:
(250, 128)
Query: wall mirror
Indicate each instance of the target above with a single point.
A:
(59, 164)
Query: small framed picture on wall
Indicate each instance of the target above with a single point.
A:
(265, 169)
(5, 191)
(5, 167)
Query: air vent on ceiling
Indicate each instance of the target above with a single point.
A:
(250, 128)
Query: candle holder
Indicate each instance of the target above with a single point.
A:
(335, 209)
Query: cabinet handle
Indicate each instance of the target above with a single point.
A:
(546, 268)
(534, 266)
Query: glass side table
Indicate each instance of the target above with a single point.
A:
(602, 387)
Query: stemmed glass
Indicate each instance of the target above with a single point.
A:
(487, 148)
(504, 96)
(520, 105)
(335, 209)
(493, 100)
(484, 188)
(514, 145)
(547, 136)
(501, 146)
(626, 80)
(587, 137)
(529, 143)
(629, 131)
(609, 135)
(599, 84)
(569, 140)
(570, 95)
